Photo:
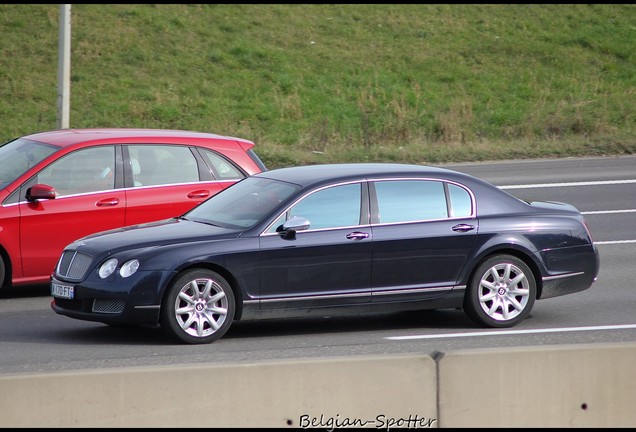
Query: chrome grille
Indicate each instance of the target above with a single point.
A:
(73, 265)
(108, 306)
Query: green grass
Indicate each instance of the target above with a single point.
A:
(331, 83)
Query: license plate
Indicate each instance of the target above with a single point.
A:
(62, 291)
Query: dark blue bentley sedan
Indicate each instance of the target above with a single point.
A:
(327, 239)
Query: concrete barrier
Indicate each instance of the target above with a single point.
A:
(552, 386)
(562, 386)
(325, 393)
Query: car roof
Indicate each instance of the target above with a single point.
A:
(492, 200)
(67, 137)
(311, 175)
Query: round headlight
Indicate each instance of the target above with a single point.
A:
(107, 268)
(129, 268)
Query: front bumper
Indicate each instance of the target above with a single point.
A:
(135, 300)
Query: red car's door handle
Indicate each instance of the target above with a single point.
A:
(108, 202)
(199, 194)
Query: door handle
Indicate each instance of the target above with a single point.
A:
(463, 227)
(357, 235)
(198, 194)
(108, 202)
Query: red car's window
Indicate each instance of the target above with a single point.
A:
(162, 164)
(86, 170)
(223, 168)
(17, 156)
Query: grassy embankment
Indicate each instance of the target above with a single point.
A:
(333, 83)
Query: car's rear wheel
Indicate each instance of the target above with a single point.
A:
(198, 307)
(501, 292)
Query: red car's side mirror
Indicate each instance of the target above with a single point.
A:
(40, 191)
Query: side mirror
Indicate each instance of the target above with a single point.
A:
(40, 191)
(289, 228)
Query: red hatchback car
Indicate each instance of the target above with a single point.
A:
(58, 186)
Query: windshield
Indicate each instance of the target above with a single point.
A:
(17, 156)
(243, 204)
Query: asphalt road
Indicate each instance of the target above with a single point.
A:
(35, 339)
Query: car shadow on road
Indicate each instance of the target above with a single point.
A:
(41, 290)
(98, 334)
(81, 332)
(442, 319)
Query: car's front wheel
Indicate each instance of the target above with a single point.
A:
(501, 292)
(198, 307)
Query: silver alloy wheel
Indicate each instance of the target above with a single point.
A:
(504, 291)
(201, 307)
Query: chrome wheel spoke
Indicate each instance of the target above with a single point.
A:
(519, 292)
(213, 322)
(186, 298)
(200, 327)
(488, 296)
(186, 310)
(206, 290)
(504, 309)
(495, 275)
(506, 275)
(488, 285)
(515, 304)
(496, 304)
(217, 311)
(514, 282)
(212, 300)
(187, 323)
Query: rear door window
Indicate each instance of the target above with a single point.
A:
(162, 164)
(410, 200)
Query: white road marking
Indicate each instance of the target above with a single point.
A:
(614, 242)
(587, 183)
(608, 211)
(513, 332)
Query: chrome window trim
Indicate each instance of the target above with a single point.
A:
(311, 297)
(265, 233)
(370, 292)
(202, 183)
(472, 216)
(392, 291)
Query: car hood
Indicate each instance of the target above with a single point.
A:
(160, 233)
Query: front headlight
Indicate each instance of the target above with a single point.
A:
(107, 268)
(129, 268)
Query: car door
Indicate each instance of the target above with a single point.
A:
(326, 265)
(167, 181)
(87, 201)
(423, 232)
